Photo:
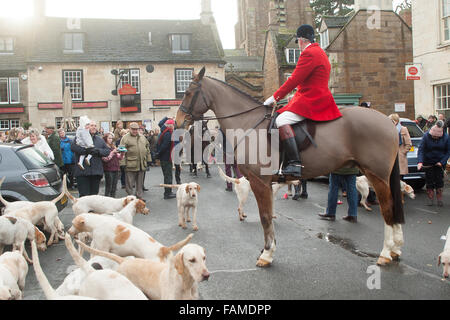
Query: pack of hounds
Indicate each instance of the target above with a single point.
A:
(125, 263)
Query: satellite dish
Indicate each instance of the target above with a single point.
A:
(114, 92)
(149, 68)
(114, 72)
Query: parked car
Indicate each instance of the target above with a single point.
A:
(414, 178)
(29, 175)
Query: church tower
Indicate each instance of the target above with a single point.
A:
(253, 21)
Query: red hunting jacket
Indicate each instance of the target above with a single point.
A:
(313, 99)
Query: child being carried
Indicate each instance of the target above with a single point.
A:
(84, 139)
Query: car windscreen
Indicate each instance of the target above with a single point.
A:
(33, 158)
(413, 129)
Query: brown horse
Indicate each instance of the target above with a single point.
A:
(362, 137)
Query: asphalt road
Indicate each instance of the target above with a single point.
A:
(315, 259)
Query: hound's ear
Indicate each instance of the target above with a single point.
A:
(198, 187)
(179, 265)
(187, 188)
(439, 260)
(200, 75)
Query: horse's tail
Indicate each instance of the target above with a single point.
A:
(394, 184)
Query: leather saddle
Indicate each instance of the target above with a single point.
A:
(305, 132)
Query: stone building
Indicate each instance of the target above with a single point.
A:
(431, 47)
(132, 70)
(368, 57)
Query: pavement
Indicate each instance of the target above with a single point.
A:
(314, 259)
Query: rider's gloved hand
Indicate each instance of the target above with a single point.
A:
(269, 101)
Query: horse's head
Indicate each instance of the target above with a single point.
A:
(194, 103)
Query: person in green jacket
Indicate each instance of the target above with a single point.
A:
(55, 144)
(136, 158)
(348, 176)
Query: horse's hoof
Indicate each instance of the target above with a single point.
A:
(244, 215)
(263, 263)
(382, 261)
(395, 256)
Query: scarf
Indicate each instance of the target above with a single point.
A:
(399, 129)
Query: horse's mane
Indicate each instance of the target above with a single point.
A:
(246, 95)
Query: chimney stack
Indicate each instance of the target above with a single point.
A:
(206, 15)
(273, 17)
(39, 10)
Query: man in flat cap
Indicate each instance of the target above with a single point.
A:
(136, 159)
(313, 99)
(54, 144)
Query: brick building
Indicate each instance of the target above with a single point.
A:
(368, 57)
(132, 70)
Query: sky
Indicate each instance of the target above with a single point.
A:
(224, 11)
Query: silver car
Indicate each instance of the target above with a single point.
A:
(29, 175)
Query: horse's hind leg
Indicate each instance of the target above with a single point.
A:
(263, 195)
(393, 236)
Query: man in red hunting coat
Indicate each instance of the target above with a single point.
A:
(313, 99)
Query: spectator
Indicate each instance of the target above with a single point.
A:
(123, 132)
(55, 144)
(404, 144)
(441, 117)
(421, 121)
(434, 151)
(228, 165)
(2, 136)
(164, 150)
(431, 122)
(39, 142)
(16, 135)
(67, 156)
(111, 167)
(117, 130)
(152, 140)
(136, 158)
(88, 180)
(349, 176)
(142, 132)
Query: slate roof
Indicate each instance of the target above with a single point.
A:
(237, 60)
(116, 40)
(336, 21)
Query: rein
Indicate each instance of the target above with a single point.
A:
(188, 111)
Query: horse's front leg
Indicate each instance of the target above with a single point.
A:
(264, 198)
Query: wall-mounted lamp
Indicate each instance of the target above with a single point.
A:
(40, 68)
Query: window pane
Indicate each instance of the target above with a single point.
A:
(4, 90)
(14, 90)
(176, 42)
(74, 81)
(78, 41)
(9, 44)
(15, 123)
(183, 79)
(291, 56)
(185, 42)
(4, 124)
(135, 80)
(68, 41)
(446, 7)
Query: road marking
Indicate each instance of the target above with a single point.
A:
(427, 211)
(319, 206)
(233, 271)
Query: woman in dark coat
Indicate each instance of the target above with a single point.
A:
(434, 151)
(88, 180)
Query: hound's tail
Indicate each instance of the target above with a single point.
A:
(105, 254)
(165, 251)
(49, 292)
(227, 178)
(3, 201)
(83, 264)
(70, 196)
(169, 185)
(394, 184)
(63, 192)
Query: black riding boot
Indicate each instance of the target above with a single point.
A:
(292, 156)
(297, 192)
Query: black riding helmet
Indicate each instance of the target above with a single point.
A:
(305, 31)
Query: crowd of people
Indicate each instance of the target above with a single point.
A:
(127, 153)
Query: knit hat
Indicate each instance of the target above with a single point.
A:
(438, 129)
(170, 121)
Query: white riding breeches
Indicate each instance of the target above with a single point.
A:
(288, 117)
